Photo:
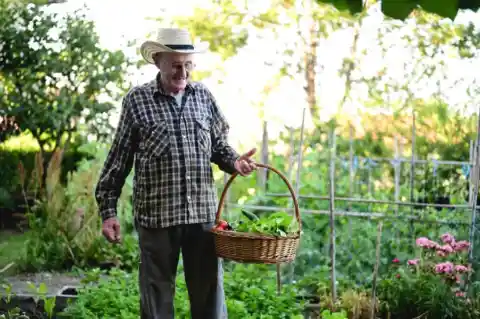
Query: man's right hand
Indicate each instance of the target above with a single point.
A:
(111, 230)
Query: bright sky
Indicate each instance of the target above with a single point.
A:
(120, 21)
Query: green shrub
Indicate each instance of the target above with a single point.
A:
(430, 286)
(65, 227)
(425, 295)
(10, 184)
(250, 292)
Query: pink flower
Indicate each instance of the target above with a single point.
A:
(447, 238)
(423, 241)
(395, 260)
(397, 275)
(413, 262)
(426, 243)
(462, 245)
(461, 269)
(447, 249)
(446, 268)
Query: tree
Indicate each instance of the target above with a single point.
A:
(53, 75)
(228, 26)
(403, 9)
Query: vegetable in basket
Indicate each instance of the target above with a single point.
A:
(278, 224)
(249, 215)
(223, 225)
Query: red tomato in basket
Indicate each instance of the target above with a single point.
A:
(222, 225)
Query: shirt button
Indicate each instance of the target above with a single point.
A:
(188, 198)
(184, 137)
(188, 177)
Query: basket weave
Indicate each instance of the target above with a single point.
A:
(256, 248)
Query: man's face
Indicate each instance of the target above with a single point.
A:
(175, 69)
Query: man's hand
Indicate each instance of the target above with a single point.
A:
(111, 230)
(244, 164)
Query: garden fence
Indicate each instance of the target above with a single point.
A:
(372, 228)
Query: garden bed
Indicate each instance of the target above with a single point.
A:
(55, 282)
(35, 305)
(22, 292)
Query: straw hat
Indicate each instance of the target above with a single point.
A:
(169, 40)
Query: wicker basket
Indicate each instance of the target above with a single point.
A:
(256, 248)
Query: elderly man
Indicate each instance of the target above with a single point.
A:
(172, 129)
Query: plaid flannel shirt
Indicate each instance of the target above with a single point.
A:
(172, 148)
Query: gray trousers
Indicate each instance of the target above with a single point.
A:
(159, 254)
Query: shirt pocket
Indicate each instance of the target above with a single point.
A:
(155, 142)
(204, 138)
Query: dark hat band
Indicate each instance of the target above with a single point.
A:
(180, 46)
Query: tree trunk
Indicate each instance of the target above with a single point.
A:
(310, 63)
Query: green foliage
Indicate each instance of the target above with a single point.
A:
(115, 296)
(371, 179)
(428, 286)
(424, 294)
(447, 9)
(227, 25)
(277, 224)
(250, 292)
(65, 225)
(52, 73)
(327, 314)
(10, 181)
(44, 305)
(222, 26)
(398, 9)
(401, 9)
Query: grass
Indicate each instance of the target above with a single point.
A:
(11, 246)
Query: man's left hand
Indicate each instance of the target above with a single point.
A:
(244, 164)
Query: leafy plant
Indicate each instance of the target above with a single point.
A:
(278, 224)
(44, 311)
(356, 304)
(327, 314)
(65, 225)
(250, 292)
(112, 296)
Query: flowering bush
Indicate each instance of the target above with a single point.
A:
(430, 285)
(446, 259)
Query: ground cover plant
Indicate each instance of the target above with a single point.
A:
(248, 296)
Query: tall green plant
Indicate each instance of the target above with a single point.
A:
(65, 225)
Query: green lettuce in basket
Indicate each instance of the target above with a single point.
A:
(278, 224)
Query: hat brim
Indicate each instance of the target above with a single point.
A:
(149, 48)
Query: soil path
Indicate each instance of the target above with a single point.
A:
(54, 281)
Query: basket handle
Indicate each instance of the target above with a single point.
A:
(290, 188)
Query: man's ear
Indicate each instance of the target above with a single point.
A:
(157, 58)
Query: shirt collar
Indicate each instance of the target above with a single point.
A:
(156, 87)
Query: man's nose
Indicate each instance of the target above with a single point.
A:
(181, 71)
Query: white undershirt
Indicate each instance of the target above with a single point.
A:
(178, 97)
